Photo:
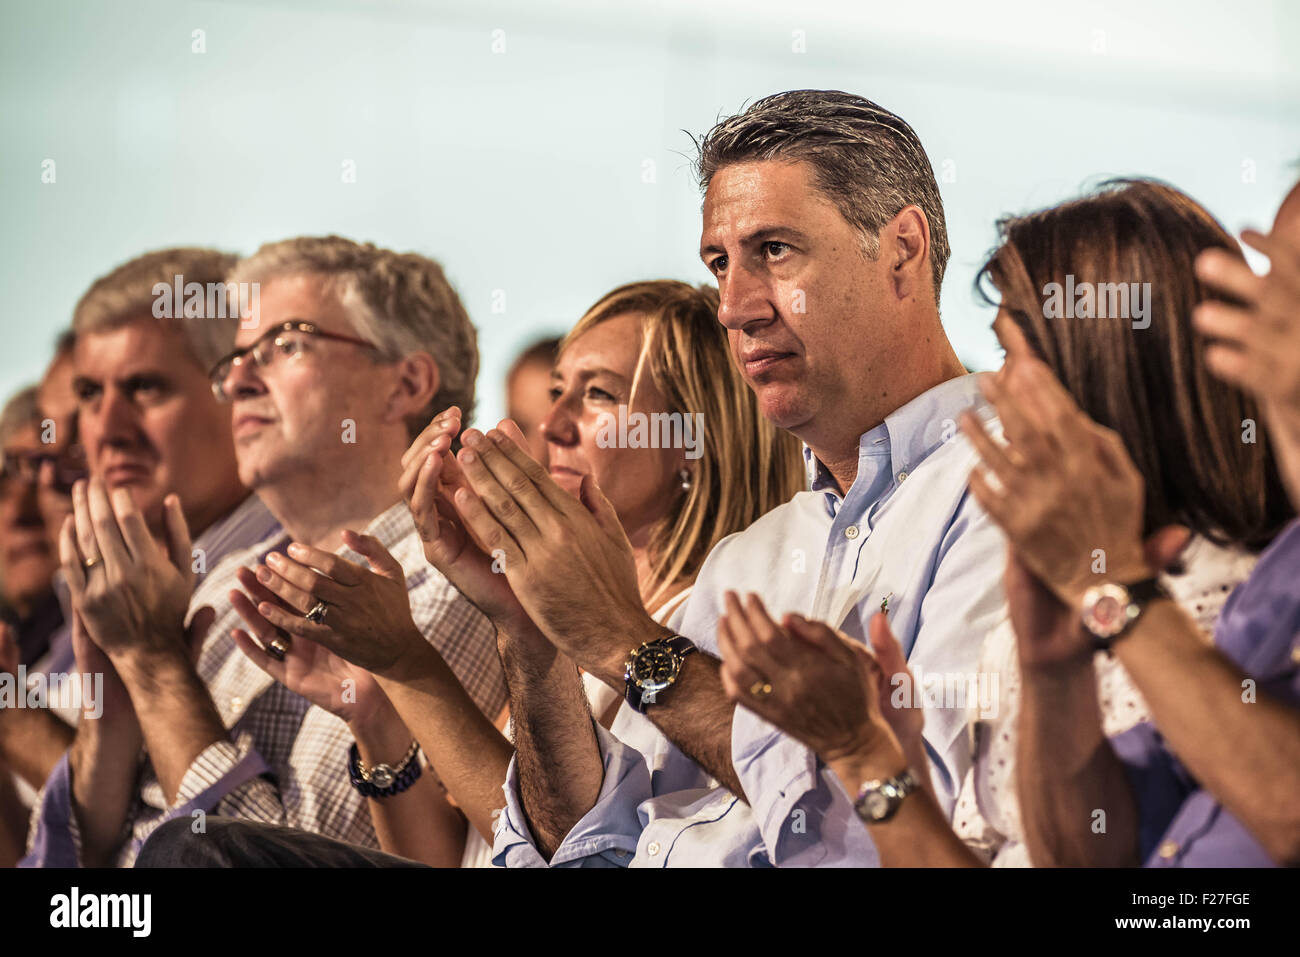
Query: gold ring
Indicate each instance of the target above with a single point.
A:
(277, 649)
(760, 689)
(90, 563)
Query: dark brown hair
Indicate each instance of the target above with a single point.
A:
(1185, 429)
(866, 160)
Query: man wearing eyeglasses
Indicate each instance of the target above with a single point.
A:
(324, 390)
(27, 562)
(29, 609)
(40, 467)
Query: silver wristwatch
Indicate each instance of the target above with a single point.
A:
(382, 776)
(879, 800)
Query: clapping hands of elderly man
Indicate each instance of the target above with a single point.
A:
(367, 630)
(130, 593)
(367, 613)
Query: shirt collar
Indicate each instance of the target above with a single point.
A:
(907, 437)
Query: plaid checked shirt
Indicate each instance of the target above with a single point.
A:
(286, 759)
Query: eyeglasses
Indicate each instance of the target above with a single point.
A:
(285, 341)
(25, 468)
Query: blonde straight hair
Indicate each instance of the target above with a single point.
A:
(747, 466)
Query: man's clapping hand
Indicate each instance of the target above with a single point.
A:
(130, 593)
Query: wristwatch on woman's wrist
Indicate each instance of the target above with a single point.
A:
(1110, 610)
(383, 780)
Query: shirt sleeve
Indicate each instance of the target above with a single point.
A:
(606, 836)
(311, 791)
(226, 776)
(1159, 783)
(53, 839)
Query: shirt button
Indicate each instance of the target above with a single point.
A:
(652, 848)
(620, 854)
(902, 476)
(851, 532)
(1168, 849)
(236, 704)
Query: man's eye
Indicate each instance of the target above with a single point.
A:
(288, 346)
(775, 249)
(555, 393)
(718, 265)
(85, 391)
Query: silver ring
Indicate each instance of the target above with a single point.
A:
(317, 613)
(277, 649)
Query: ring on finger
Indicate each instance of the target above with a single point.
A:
(760, 688)
(316, 615)
(278, 648)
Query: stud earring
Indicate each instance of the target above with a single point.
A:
(686, 480)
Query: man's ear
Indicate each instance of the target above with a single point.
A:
(907, 250)
(417, 383)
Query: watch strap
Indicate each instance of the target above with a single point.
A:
(406, 773)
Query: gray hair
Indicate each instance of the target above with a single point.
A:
(867, 160)
(399, 302)
(20, 411)
(127, 295)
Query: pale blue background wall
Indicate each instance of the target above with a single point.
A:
(523, 171)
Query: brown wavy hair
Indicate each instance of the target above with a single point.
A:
(1183, 427)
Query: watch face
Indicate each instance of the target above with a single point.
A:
(381, 776)
(877, 804)
(654, 668)
(1107, 610)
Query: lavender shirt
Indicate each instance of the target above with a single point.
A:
(1180, 823)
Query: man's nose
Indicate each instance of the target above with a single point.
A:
(29, 506)
(47, 476)
(743, 298)
(116, 422)
(242, 380)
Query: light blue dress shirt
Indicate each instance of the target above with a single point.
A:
(909, 533)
